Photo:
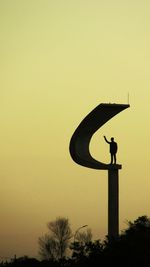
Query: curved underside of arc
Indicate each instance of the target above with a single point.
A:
(80, 141)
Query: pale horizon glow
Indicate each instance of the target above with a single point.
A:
(59, 60)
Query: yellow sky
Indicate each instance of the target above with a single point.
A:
(59, 60)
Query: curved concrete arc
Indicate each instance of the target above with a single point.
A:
(79, 143)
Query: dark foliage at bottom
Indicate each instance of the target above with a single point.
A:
(132, 248)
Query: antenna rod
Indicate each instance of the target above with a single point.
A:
(128, 98)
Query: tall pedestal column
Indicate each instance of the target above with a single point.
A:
(113, 203)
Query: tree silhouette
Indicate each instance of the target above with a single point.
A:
(132, 246)
(48, 248)
(54, 244)
(84, 237)
(87, 254)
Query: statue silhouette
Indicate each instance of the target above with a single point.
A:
(113, 149)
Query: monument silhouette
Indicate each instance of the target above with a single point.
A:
(80, 153)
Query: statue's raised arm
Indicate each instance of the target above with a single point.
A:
(106, 140)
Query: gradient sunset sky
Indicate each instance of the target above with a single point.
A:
(59, 60)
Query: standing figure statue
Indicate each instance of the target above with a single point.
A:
(113, 149)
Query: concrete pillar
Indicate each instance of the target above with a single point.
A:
(113, 203)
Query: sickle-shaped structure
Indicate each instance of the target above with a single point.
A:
(79, 143)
